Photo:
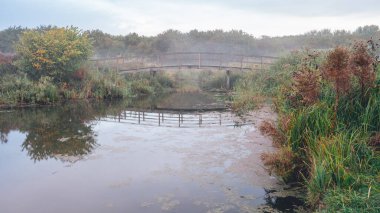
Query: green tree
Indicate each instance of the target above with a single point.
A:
(56, 52)
(8, 37)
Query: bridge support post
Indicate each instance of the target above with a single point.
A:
(153, 73)
(228, 86)
(199, 60)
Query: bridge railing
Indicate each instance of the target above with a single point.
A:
(187, 59)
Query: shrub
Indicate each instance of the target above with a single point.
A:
(55, 52)
(103, 85)
(306, 86)
(282, 163)
(269, 128)
(361, 65)
(6, 64)
(141, 84)
(335, 69)
(16, 89)
(254, 87)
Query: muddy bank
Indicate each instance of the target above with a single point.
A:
(281, 197)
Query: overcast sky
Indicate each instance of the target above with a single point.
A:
(150, 17)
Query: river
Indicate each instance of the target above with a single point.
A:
(137, 156)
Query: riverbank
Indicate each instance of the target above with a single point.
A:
(18, 90)
(286, 196)
(328, 126)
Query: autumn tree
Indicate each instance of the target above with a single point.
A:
(56, 52)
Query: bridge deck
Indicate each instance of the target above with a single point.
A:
(186, 60)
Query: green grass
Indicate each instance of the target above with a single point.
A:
(253, 88)
(332, 157)
(19, 89)
(143, 84)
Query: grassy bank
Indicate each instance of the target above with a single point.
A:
(328, 131)
(17, 89)
(255, 87)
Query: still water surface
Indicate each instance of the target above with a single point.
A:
(98, 157)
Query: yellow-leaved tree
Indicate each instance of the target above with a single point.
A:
(56, 52)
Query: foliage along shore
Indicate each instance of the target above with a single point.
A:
(328, 131)
(51, 66)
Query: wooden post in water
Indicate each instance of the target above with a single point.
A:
(200, 120)
(179, 120)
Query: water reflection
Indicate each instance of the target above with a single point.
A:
(65, 131)
(56, 132)
(137, 168)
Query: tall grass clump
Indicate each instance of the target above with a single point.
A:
(255, 87)
(143, 84)
(331, 106)
(217, 80)
(20, 90)
(103, 85)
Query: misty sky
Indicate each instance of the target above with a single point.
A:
(150, 17)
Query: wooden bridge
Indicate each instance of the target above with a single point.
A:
(188, 60)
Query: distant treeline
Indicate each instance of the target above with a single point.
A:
(234, 41)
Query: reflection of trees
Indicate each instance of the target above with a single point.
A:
(57, 131)
(7, 123)
(3, 137)
(62, 134)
